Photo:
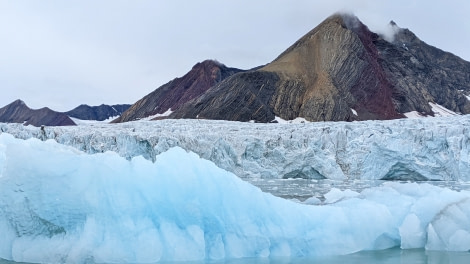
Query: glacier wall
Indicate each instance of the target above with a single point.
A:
(405, 149)
(59, 205)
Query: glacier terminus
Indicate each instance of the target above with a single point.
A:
(404, 149)
(179, 190)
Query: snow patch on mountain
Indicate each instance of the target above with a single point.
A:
(297, 120)
(84, 122)
(166, 113)
(440, 110)
(413, 114)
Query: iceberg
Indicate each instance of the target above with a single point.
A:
(406, 149)
(61, 205)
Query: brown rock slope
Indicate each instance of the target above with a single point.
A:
(337, 67)
(19, 112)
(172, 95)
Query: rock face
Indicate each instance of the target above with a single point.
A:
(175, 93)
(421, 73)
(19, 112)
(341, 71)
(99, 113)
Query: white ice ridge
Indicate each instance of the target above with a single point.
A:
(59, 205)
(416, 149)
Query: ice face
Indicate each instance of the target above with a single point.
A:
(58, 204)
(424, 149)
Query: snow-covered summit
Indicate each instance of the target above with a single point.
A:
(414, 149)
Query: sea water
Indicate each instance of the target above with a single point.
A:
(387, 256)
(302, 189)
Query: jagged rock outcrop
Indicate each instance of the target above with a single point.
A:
(242, 97)
(419, 71)
(99, 113)
(341, 71)
(19, 112)
(170, 96)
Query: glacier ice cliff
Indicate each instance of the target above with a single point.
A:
(405, 149)
(60, 205)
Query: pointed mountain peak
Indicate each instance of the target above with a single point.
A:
(170, 96)
(19, 112)
(98, 113)
(18, 102)
(208, 64)
(406, 36)
(349, 20)
(325, 40)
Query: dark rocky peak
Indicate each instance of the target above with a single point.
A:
(349, 21)
(213, 70)
(98, 113)
(19, 112)
(405, 36)
(208, 64)
(18, 103)
(169, 97)
(353, 23)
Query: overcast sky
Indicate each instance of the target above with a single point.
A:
(62, 54)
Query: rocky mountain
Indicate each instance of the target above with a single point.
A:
(341, 71)
(19, 112)
(179, 91)
(99, 113)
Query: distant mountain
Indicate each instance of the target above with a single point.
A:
(99, 113)
(179, 91)
(19, 112)
(341, 71)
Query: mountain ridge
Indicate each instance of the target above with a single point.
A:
(98, 113)
(179, 91)
(338, 71)
(341, 71)
(19, 112)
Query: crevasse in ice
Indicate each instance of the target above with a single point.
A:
(58, 204)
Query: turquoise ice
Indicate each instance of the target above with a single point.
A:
(58, 204)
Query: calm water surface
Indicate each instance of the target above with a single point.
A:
(302, 189)
(392, 256)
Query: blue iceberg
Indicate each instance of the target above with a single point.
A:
(58, 204)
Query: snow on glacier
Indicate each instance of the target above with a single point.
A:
(58, 204)
(417, 149)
